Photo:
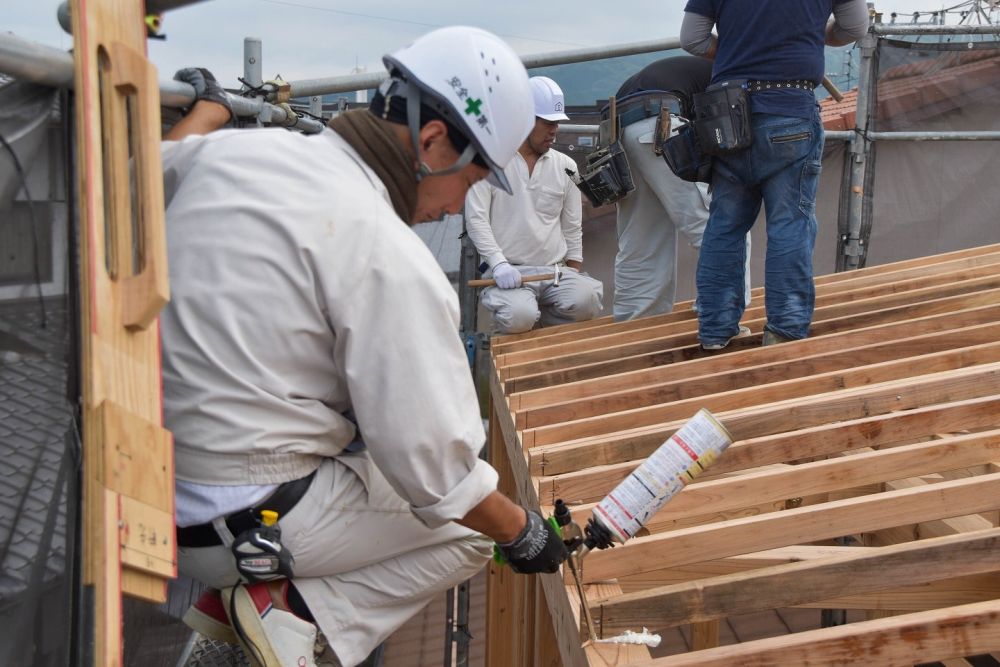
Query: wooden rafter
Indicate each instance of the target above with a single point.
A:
(883, 426)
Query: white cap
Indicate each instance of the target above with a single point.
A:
(549, 102)
(477, 82)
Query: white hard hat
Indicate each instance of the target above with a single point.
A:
(548, 96)
(477, 83)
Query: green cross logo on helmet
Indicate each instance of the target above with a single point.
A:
(472, 106)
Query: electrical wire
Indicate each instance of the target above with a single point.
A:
(36, 259)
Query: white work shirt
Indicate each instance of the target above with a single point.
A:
(540, 224)
(300, 305)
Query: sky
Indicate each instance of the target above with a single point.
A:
(305, 39)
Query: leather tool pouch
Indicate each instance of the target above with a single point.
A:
(685, 158)
(662, 131)
(606, 178)
(722, 118)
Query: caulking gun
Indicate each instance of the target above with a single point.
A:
(620, 515)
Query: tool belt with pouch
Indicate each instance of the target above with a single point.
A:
(606, 177)
(639, 106)
(722, 118)
(722, 112)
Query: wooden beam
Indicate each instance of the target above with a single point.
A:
(845, 286)
(794, 584)
(505, 590)
(923, 529)
(795, 389)
(679, 334)
(573, 367)
(785, 416)
(676, 574)
(523, 491)
(749, 358)
(930, 260)
(795, 526)
(610, 654)
(901, 640)
(729, 494)
(826, 308)
(931, 595)
(808, 365)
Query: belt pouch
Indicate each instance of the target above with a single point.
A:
(607, 177)
(722, 118)
(684, 157)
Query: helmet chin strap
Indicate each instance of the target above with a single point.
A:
(413, 122)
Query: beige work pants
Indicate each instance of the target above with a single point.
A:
(577, 297)
(364, 564)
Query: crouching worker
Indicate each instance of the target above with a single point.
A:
(536, 230)
(314, 379)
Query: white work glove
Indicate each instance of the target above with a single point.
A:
(506, 276)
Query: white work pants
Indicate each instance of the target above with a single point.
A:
(364, 564)
(649, 219)
(576, 298)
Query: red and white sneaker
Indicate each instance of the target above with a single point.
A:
(207, 616)
(270, 637)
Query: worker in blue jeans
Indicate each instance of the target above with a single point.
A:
(775, 50)
(781, 169)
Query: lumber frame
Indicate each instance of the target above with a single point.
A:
(910, 639)
(864, 473)
(683, 347)
(797, 583)
(921, 267)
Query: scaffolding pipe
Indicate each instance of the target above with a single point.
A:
(902, 29)
(860, 150)
(30, 61)
(351, 82)
(252, 62)
(969, 135)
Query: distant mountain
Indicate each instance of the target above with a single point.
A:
(584, 83)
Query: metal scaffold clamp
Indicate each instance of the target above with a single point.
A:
(280, 91)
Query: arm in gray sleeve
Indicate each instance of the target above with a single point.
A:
(406, 370)
(696, 35)
(850, 23)
(477, 223)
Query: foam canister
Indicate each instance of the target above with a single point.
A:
(685, 455)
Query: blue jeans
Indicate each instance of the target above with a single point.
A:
(781, 169)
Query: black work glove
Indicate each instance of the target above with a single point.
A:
(205, 87)
(539, 547)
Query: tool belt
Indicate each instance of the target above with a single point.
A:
(606, 177)
(284, 498)
(760, 85)
(722, 112)
(639, 106)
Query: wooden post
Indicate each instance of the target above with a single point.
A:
(127, 517)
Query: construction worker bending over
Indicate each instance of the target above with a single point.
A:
(312, 367)
(536, 230)
(768, 57)
(662, 206)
